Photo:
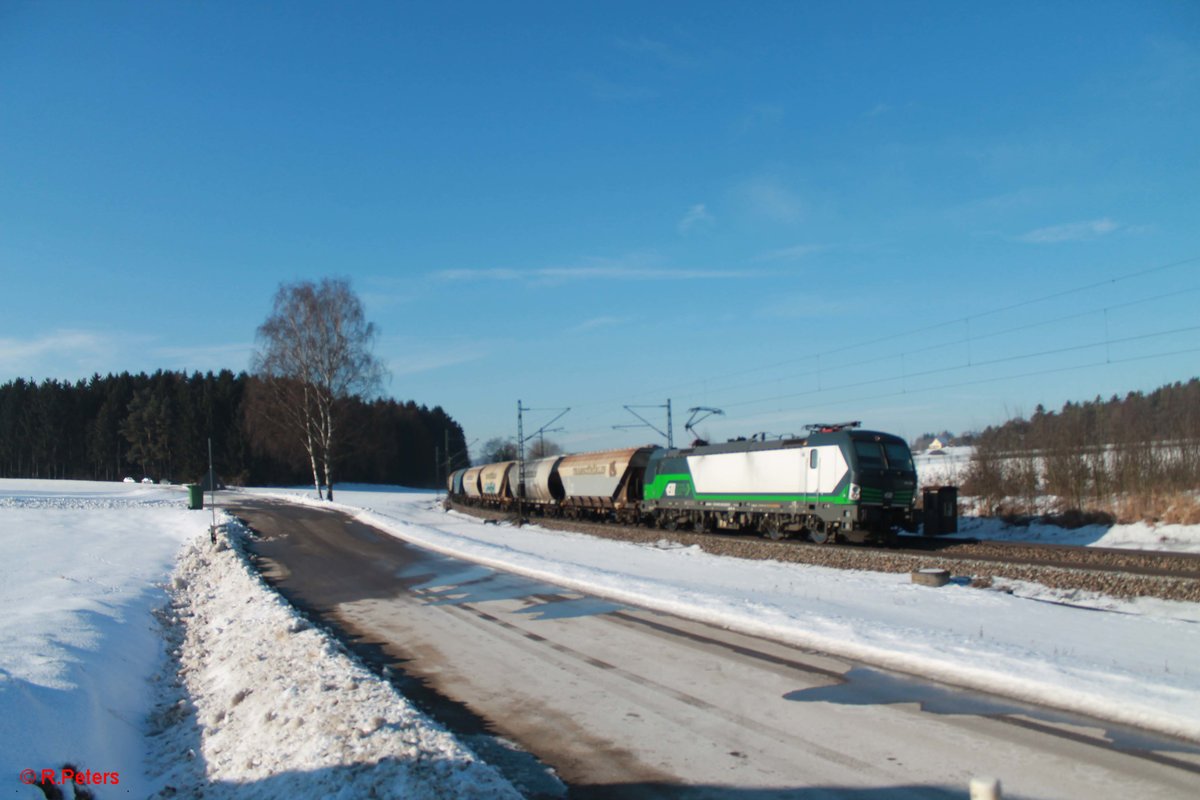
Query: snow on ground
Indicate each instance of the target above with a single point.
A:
(77, 639)
(253, 703)
(1135, 536)
(1136, 664)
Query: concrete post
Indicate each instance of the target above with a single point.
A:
(985, 789)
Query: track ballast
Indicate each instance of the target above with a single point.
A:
(1113, 572)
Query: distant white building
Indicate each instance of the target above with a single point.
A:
(935, 446)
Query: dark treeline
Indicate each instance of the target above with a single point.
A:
(1126, 455)
(158, 426)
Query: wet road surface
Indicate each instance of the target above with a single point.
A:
(625, 702)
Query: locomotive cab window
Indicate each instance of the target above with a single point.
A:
(898, 456)
(870, 455)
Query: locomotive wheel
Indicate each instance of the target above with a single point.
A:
(671, 524)
(771, 529)
(818, 536)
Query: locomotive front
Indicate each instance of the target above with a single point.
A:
(883, 482)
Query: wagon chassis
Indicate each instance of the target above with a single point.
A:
(771, 521)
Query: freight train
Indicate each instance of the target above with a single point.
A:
(838, 483)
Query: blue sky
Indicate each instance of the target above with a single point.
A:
(920, 215)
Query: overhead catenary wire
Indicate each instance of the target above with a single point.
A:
(826, 365)
(963, 320)
(1056, 370)
(966, 340)
(1020, 375)
(976, 365)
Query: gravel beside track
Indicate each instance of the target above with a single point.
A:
(1117, 573)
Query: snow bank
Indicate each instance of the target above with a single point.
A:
(1136, 667)
(268, 706)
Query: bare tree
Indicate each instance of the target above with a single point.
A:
(497, 449)
(542, 447)
(314, 351)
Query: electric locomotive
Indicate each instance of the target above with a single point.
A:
(838, 482)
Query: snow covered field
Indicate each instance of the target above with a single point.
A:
(227, 691)
(1135, 664)
(253, 702)
(78, 644)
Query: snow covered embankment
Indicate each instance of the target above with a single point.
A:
(265, 705)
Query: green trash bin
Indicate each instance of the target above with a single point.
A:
(195, 496)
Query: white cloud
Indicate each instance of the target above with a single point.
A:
(599, 322)
(696, 217)
(768, 197)
(764, 115)
(629, 269)
(58, 342)
(408, 357)
(64, 353)
(613, 91)
(794, 253)
(614, 273)
(1071, 232)
(802, 306)
(206, 358)
(660, 51)
(72, 354)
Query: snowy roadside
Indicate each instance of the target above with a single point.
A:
(1134, 665)
(268, 706)
(228, 693)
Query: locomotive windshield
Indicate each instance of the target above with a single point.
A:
(870, 455)
(898, 456)
(888, 455)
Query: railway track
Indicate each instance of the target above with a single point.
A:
(1106, 559)
(1113, 572)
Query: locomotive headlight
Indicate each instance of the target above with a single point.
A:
(855, 491)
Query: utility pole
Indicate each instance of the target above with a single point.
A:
(521, 439)
(670, 427)
(520, 492)
(212, 494)
(541, 434)
(698, 414)
(669, 434)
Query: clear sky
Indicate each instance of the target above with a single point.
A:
(920, 215)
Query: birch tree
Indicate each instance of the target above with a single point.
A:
(314, 352)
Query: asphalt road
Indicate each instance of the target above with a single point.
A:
(624, 702)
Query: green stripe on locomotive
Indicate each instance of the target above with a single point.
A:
(683, 489)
